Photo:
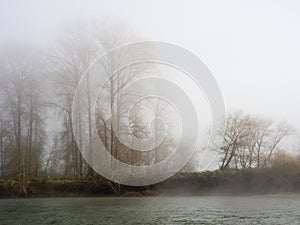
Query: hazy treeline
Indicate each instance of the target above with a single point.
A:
(22, 118)
(37, 88)
(250, 141)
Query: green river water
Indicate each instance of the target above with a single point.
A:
(152, 210)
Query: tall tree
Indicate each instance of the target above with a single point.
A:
(23, 100)
(249, 141)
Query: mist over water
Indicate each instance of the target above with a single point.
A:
(141, 102)
(152, 210)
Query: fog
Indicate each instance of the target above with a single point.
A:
(149, 112)
(251, 48)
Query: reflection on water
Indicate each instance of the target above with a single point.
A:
(152, 210)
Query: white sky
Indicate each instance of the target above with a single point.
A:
(251, 47)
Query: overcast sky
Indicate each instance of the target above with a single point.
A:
(251, 47)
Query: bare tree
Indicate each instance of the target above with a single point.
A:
(23, 101)
(236, 129)
(76, 52)
(249, 141)
(79, 49)
(4, 133)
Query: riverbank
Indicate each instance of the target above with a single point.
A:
(219, 182)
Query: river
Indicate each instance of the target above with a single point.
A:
(152, 210)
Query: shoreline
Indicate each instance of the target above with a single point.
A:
(276, 195)
(262, 182)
